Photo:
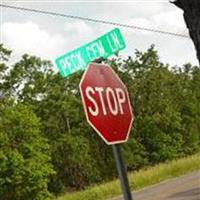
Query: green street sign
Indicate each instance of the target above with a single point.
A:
(78, 59)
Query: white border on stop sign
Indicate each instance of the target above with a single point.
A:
(85, 109)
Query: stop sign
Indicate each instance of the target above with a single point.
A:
(106, 103)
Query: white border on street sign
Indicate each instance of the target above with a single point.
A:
(85, 109)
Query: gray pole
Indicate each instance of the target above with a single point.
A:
(120, 163)
(122, 172)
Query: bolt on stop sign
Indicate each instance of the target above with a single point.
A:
(106, 103)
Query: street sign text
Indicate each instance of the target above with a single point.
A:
(78, 59)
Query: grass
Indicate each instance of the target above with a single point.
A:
(139, 179)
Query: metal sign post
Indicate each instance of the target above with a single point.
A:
(122, 172)
(105, 97)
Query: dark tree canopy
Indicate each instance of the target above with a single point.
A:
(46, 145)
(191, 15)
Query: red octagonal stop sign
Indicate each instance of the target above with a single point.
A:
(106, 103)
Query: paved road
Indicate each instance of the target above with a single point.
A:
(183, 188)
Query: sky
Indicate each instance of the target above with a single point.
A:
(49, 36)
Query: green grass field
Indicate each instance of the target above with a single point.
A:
(138, 180)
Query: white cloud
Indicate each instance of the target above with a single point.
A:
(30, 38)
(78, 33)
(172, 50)
(171, 21)
(78, 28)
(121, 11)
(139, 22)
(49, 37)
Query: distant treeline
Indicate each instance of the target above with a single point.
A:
(46, 145)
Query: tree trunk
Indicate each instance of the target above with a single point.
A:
(191, 15)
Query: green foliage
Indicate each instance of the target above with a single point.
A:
(4, 57)
(74, 163)
(24, 159)
(139, 179)
(135, 154)
(166, 105)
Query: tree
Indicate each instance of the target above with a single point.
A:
(191, 15)
(165, 108)
(24, 155)
(46, 111)
(4, 57)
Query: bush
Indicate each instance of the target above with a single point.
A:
(24, 159)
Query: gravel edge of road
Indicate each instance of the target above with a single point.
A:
(154, 185)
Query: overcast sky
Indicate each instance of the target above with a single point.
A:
(49, 37)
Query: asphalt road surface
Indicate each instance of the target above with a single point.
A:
(186, 187)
